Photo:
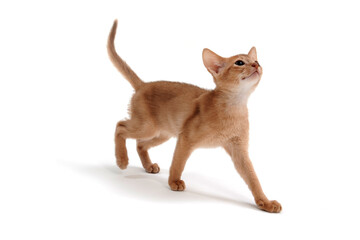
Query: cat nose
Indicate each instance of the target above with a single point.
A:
(255, 65)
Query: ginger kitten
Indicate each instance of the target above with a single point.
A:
(197, 117)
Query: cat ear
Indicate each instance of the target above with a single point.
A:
(252, 53)
(212, 61)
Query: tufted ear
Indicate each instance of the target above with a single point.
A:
(212, 61)
(252, 53)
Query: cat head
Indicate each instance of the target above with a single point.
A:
(240, 73)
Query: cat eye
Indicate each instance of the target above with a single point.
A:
(239, 63)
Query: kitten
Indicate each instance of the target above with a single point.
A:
(197, 117)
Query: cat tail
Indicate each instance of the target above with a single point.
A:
(120, 64)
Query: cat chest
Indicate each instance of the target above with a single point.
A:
(214, 136)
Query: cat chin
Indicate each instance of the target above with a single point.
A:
(253, 76)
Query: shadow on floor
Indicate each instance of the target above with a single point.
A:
(135, 182)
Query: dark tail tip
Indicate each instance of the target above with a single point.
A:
(114, 27)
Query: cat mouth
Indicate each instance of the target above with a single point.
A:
(251, 75)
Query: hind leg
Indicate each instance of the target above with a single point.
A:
(142, 148)
(129, 129)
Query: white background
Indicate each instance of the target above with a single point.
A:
(60, 99)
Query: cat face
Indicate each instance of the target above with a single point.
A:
(240, 73)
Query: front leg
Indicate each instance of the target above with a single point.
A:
(182, 152)
(238, 151)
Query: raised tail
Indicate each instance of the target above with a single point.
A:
(120, 64)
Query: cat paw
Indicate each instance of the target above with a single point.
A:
(153, 168)
(269, 206)
(122, 164)
(178, 185)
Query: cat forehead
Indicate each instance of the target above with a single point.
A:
(243, 57)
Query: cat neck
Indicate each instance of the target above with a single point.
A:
(232, 99)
